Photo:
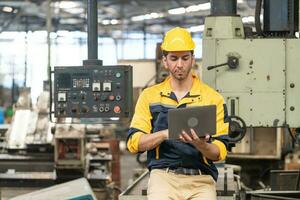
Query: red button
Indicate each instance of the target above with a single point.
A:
(117, 109)
(111, 97)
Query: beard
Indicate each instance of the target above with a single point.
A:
(180, 74)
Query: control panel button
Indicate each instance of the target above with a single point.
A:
(96, 87)
(117, 109)
(62, 96)
(107, 86)
(118, 74)
(118, 97)
(111, 97)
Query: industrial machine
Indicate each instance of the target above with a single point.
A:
(256, 72)
(67, 139)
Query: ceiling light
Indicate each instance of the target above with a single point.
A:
(7, 9)
(177, 11)
(138, 18)
(114, 21)
(70, 21)
(105, 22)
(204, 6)
(153, 15)
(193, 8)
(199, 28)
(75, 10)
(68, 4)
(240, 1)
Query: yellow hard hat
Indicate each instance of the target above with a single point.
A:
(178, 39)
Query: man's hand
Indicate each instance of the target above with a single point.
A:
(194, 139)
(210, 151)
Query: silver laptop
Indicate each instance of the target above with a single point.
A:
(200, 118)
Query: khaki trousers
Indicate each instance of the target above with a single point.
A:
(165, 185)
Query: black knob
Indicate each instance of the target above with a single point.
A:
(292, 108)
(292, 85)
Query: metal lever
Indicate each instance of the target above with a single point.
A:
(232, 62)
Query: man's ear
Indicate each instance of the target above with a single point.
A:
(164, 60)
(193, 61)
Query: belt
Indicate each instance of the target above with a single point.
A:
(183, 171)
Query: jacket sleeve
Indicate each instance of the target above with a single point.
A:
(140, 124)
(221, 137)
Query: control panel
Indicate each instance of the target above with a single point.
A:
(93, 92)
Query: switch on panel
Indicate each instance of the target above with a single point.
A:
(107, 86)
(96, 87)
(62, 96)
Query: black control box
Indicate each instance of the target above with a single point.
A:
(93, 92)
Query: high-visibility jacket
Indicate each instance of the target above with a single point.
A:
(151, 115)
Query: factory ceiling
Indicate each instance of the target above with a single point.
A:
(151, 16)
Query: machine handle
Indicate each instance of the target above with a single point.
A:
(237, 129)
(232, 62)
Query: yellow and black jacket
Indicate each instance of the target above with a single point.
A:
(151, 114)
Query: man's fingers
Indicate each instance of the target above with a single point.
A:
(207, 137)
(186, 136)
(182, 138)
(194, 134)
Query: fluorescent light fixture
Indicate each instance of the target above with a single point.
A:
(204, 6)
(70, 21)
(155, 15)
(68, 4)
(199, 28)
(177, 11)
(240, 1)
(193, 8)
(114, 118)
(138, 18)
(75, 10)
(152, 15)
(106, 22)
(114, 21)
(7, 9)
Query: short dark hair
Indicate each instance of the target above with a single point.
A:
(165, 53)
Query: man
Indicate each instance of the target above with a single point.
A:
(185, 169)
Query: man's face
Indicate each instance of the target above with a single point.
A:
(179, 63)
